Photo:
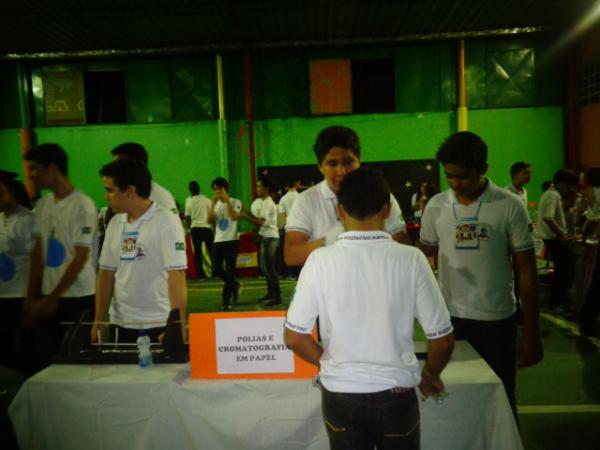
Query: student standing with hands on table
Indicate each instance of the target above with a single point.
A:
(143, 260)
(477, 230)
(367, 290)
(313, 221)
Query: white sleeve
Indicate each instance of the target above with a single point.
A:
(430, 309)
(428, 234)
(300, 217)
(395, 222)
(187, 207)
(520, 231)
(110, 255)
(548, 206)
(86, 224)
(172, 245)
(303, 311)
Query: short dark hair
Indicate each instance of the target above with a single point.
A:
(46, 154)
(518, 167)
(266, 182)
(194, 187)
(133, 151)
(363, 193)
(546, 185)
(126, 172)
(565, 176)
(220, 182)
(464, 149)
(15, 187)
(336, 136)
(593, 176)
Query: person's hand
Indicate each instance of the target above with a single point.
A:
(529, 351)
(225, 197)
(98, 329)
(430, 385)
(36, 310)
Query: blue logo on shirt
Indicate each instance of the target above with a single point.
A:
(7, 268)
(223, 224)
(55, 253)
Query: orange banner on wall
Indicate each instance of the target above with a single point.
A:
(330, 86)
(243, 345)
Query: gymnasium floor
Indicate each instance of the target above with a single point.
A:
(559, 399)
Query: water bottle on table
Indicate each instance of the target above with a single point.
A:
(144, 353)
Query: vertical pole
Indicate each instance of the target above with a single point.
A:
(462, 94)
(250, 121)
(221, 122)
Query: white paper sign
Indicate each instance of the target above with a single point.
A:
(252, 345)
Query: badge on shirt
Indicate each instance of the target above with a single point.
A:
(129, 246)
(469, 233)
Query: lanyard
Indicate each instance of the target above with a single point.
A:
(475, 218)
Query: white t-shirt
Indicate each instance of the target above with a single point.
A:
(71, 222)
(314, 213)
(141, 281)
(367, 290)
(197, 208)
(550, 207)
(287, 201)
(266, 209)
(163, 197)
(593, 212)
(474, 250)
(225, 228)
(16, 243)
(522, 194)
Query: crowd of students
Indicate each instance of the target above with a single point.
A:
(360, 286)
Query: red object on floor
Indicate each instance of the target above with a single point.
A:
(247, 251)
(191, 263)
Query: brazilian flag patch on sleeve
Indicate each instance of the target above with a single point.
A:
(86, 230)
(179, 246)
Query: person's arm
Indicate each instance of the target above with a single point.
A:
(438, 354)
(233, 214)
(178, 295)
(48, 305)
(297, 247)
(530, 347)
(303, 345)
(105, 284)
(556, 229)
(401, 237)
(36, 271)
(210, 218)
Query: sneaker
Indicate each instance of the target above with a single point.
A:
(272, 302)
(264, 298)
(227, 307)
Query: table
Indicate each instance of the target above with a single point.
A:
(127, 407)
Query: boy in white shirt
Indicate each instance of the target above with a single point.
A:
(367, 290)
(196, 212)
(224, 214)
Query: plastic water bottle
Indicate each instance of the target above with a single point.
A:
(144, 353)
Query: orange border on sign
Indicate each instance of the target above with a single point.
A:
(203, 354)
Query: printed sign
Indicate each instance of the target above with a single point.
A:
(243, 345)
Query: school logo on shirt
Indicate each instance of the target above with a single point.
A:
(180, 246)
(86, 230)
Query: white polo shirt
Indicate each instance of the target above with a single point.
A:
(16, 243)
(287, 201)
(71, 222)
(197, 208)
(225, 228)
(550, 207)
(522, 194)
(266, 209)
(474, 250)
(367, 290)
(141, 290)
(314, 213)
(163, 197)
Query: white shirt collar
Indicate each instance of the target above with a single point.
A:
(326, 190)
(371, 235)
(148, 214)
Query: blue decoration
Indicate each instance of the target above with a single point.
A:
(56, 253)
(223, 224)
(7, 268)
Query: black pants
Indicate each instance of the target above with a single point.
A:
(224, 258)
(591, 307)
(200, 235)
(48, 335)
(11, 312)
(559, 254)
(496, 342)
(387, 419)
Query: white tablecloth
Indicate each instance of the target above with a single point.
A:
(126, 407)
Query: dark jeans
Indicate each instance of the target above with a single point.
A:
(224, 258)
(496, 342)
(200, 235)
(268, 260)
(559, 254)
(47, 337)
(10, 331)
(591, 308)
(384, 419)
